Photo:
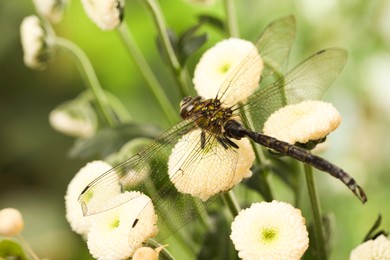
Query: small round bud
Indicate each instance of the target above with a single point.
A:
(11, 222)
(147, 253)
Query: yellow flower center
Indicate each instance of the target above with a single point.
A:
(224, 68)
(268, 235)
(115, 223)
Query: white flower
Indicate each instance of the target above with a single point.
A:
(270, 230)
(51, 9)
(208, 176)
(11, 222)
(35, 42)
(107, 14)
(222, 59)
(117, 233)
(79, 223)
(74, 118)
(303, 122)
(378, 249)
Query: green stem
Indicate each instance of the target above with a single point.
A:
(91, 78)
(260, 159)
(27, 247)
(165, 254)
(147, 73)
(231, 19)
(316, 211)
(231, 202)
(180, 74)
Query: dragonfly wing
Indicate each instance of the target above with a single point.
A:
(169, 185)
(98, 196)
(308, 80)
(275, 43)
(193, 186)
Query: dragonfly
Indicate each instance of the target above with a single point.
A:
(218, 127)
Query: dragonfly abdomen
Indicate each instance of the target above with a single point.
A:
(235, 130)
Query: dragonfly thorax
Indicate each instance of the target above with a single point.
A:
(208, 114)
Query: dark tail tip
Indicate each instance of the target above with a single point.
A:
(362, 195)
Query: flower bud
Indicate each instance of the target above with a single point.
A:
(107, 14)
(11, 222)
(50, 9)
(36, 42)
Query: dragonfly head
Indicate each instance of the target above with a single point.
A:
(187, 105)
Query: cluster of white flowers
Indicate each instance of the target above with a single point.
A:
(274, 230)
(303, 122)
(378, 249)
(36, 42)
(107, 14)
(114, 233)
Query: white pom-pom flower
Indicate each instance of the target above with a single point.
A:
(218, 170)
(270, 230)
(51, 9)
(117, 233)
(78, 222)
(303, 122)
(378, 249)
(221, 60)
(74, 118)
(11, 222)
(107, 14)
(36, 42)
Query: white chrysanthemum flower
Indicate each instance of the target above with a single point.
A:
(79, 223)
(303, 122)
(220, 60)
(36, 42)
(270, 230)
(51, 9)
(208, 176)
(107, 14)
(117, 233)
(11, 222)
(74, 118)
(378, 249)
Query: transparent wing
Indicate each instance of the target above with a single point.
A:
(147, 172)
(308, 80)
(95, 197)
(273, 45)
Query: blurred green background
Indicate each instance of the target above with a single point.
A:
(35, 168)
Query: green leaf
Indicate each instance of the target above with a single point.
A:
(188, 45)
(11, 250)
(217, 244)
(110, 140)
(372, 233)
(257, 182)
(174, 42)
(329, 226)
(213, 21)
